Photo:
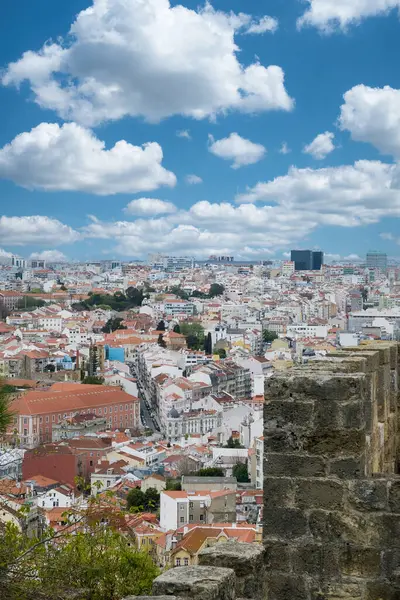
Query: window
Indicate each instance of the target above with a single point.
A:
(47, 419)
(182, 519)
(115, 408)
(108, 483)
(178, 562)
(190, 517)
(99, 411)
(91, 463)
(25, 432)
(40, 419)
(25, 421)
(59, 417)
(201, 517)
(190, 504)
(186, 562)
(121, 407)
(53, 418)
(126, 407)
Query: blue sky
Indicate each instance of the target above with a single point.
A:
(133, 73)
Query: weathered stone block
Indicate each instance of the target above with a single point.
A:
(382, 591)
(394, 496)
(319, 493)
(387, 527)
(336, 527)
(339, 591)
(368, 495)
(282, 440)
(298, 414)
(330, 442)
(286, 523)
(293, 465)
(278, 491)
(199, 583)
(347, 468)
(286, 587)
(316, 560)
(277, 556)
(247, 560)
(358, 561)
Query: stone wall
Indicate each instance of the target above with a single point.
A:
(331, 493)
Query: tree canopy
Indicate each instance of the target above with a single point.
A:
(194, 334)
(6, 415)
(233, 443)
(93, 380)
(113, 324)
(118, 301)
(269, 336)
(138, 501)
(241, 473)
(210, 472)
(216, 289)
(92, 557)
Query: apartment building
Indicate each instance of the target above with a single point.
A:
(37, 411)
(182, 508)
(10, 299)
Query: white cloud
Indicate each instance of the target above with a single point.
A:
(148, 59)
(284, 149)
(5, 254)
(346, 196)
(286, 254)
(353, 258)
(321, 146)
(240, 150)
(373, 115)
(148, 207)
(262, 26)
(387, 236)
(193, 179)
(50, 157)
(50, 256)
(184, 133)
(294, 206)
(329, 15)
(36, 229)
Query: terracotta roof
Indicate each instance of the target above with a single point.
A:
(76, 397)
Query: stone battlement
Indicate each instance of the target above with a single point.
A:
(331, 490)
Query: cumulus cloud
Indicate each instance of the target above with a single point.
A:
(5, 254)
(149, 59)
(69, 157)
(284, 149)
(240, 150)
(329, 15)
(373, 115)
(36, 229)
(51, 256)
(321, 146)
(262, 26)
(294, 206)
(193, 179)
(184, 133)
(148, 207)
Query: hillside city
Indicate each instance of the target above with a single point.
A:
(144, 382)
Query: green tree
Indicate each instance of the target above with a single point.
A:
(6, 414)
(216, 289)
(95, 562)
(93, 380)
(63, 288)
(269, 336)
(210, 472)
(194, 334)
(241, 473)
(161, 342)
(208, 344)
(221, 352)
(177, 328)
(135, 296)
(27, 302)
(178, 291)
(152, 500)
(173, 485)
(233, 443)
(199, 294)
(161, 326)
(113, 324)
(135, 500)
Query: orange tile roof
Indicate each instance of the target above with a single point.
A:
(76, 397)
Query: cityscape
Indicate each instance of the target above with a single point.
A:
(200, 300)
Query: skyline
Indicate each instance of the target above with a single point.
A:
(183, 130)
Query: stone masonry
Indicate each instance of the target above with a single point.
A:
(331, 490)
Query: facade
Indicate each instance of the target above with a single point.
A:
(376, 260)
(171, 263)
(182, 508)
(37, 411)
(10, 299)
(307, 260)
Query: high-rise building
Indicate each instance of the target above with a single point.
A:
(376, 260)
(302, 259)
(307, 260)
(317, 260)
